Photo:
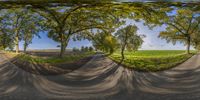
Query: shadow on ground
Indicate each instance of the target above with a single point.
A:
(50, 69)
(102, 79)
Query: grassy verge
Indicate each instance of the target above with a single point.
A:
(10, 54)
(55, 60)
(152, 60)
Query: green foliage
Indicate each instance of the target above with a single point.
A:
(96, 21)
(75, 49)
(105, 42)
(196, 40)
(91, 49)
(6, 41)
(152, 60)
(18, 24)
(63, 23)
(181, 27)
(128, 39)
(84, 49)
(31, 29)
(6, 36)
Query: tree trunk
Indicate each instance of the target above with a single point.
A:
(24, 49)
(4, 41)
(62, 49)
(188, 45)
(122, 51)
(123, 48)
(17, 41)
(25, 46)
(64, 41)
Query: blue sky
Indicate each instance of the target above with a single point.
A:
(151, 41)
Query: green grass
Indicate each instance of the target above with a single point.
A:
(152, 60)
(54, 60)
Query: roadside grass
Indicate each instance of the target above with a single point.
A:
(10, 54)
(152, 60)
(55, 60)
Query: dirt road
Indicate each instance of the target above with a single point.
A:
(102, 79)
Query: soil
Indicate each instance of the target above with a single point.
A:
(50, 69)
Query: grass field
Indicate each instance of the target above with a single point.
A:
(152, 60)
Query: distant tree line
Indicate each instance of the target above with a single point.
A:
(83, 49)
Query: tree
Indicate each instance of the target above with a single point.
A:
(196, 34)
(6, 35)
(86, 49)
(75, 49)
(105, 42)
(5, 41)
(62, 25)
(64, 22)
(196, 40)
(16, 20)
(31, 29)
(181, 27)
(129, 39)
(91, 49)
(82, 48)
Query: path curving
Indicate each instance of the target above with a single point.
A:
(102, 79)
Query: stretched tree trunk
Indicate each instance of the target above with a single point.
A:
(25, 49)
(64, 41)
(17, 41)
(123, 47)
(62, 49)
(4, 41)
(188, 45)
(25, 46)
(122, 53)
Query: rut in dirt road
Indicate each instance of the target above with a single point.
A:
(102, 79)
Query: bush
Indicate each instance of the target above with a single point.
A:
(91, 49)
(75, 49)
(86, 49)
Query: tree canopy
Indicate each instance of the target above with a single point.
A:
(129, 39)
(96, 21)
(181, 27)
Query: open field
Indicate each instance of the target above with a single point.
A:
(152, 60)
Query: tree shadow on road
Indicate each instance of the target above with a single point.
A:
(101, 79)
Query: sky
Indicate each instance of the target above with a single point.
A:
(151, 41)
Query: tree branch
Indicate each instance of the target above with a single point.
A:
(175, 27)
(87, 28)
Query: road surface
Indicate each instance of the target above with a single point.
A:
(102, 79)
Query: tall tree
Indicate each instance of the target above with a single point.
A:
(22, 25)
(129, 39)
(196, 39)
(5, 40)
(63, 23)
(31, 29)
(17, 18)
(180, 27)
(5, 33)
(56, 24)
(105, 42)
